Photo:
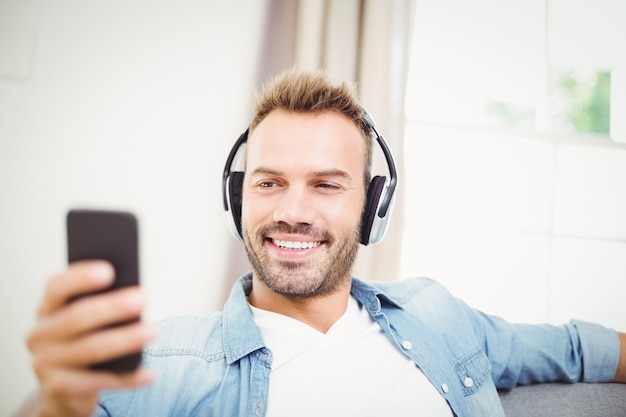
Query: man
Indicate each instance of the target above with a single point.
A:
(299, 335)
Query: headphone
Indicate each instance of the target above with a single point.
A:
(378, 205)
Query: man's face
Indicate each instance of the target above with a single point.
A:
(302, 201)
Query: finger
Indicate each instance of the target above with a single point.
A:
(96, 347)
(92, 312)
(79, 278)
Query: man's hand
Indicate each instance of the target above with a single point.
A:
(68, 337)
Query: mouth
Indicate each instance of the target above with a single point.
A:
(295, 245)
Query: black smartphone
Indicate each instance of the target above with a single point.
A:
(112, 236)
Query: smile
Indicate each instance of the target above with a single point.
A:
(295, 245)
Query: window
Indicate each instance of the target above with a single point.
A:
(516, 171)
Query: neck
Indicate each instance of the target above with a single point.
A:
(319, 312)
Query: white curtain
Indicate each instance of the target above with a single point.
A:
(366, 41)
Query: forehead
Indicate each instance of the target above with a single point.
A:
(315, 141)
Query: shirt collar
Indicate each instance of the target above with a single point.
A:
(372, 296)
(242, 336)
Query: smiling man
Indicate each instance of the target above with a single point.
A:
(303, 196)
(299, 336)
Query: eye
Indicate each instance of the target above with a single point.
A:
(267, 184)
(328, 187)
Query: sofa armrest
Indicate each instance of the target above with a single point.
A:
(567, 400)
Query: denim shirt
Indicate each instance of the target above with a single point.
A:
(219, 366)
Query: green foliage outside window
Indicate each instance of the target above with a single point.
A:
(587, 103)
(577, 104)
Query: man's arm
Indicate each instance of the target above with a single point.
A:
(69, 336)
(522, 354)
(620, 374)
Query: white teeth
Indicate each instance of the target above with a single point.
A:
(287, 244)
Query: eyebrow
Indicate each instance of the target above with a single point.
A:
(322, 173)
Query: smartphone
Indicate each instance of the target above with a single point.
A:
(111, 236)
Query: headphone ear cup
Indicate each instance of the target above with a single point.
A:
(235, 185)
(374, 195)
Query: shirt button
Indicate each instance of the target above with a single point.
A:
(468, 382)
(444, 387)
(407, 345)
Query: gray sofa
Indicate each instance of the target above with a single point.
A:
(566, 400)
(541, 400)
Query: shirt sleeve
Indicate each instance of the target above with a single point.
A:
(522, 354)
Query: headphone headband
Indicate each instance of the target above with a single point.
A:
(391, 166)
(378, 206)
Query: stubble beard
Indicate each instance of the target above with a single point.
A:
(306, 279)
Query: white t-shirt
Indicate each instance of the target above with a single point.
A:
(352, 370)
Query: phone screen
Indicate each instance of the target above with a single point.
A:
(110, 236)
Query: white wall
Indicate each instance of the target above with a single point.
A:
(128, 104)
(517, 220)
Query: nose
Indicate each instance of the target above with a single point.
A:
(295, 206)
